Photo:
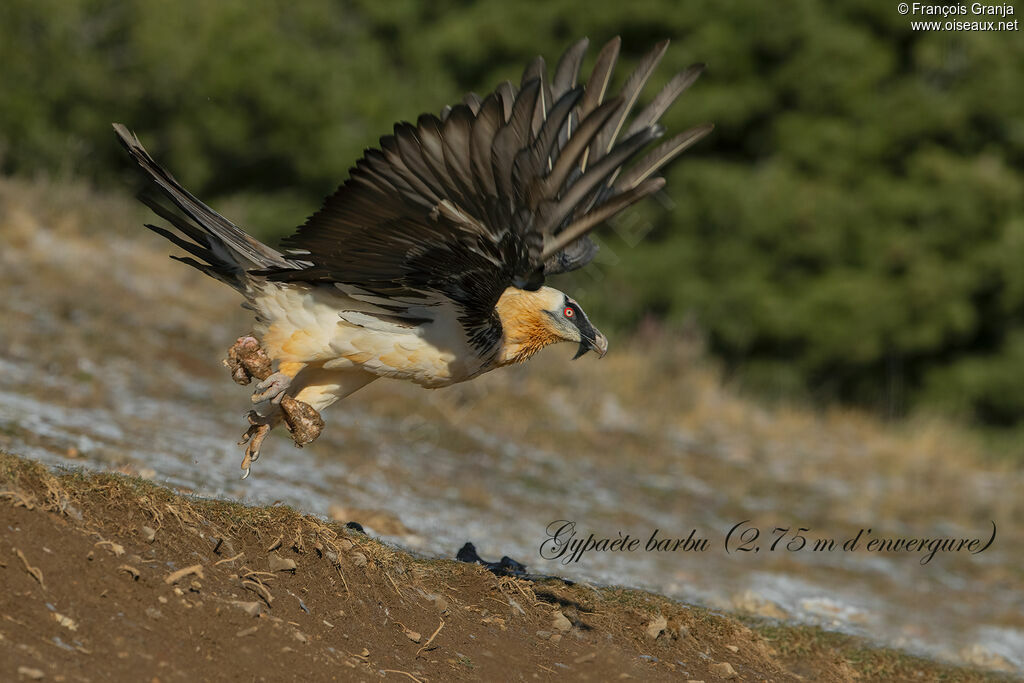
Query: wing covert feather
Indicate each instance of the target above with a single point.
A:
(495, 192)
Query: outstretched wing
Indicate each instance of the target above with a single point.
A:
(495, 192)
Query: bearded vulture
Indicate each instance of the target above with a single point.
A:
(428, 264)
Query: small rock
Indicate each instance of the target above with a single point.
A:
(494, 620)
(66, 622)
(439, 602)
(359, 559)
(732, 648)
(282, 564)
(28, 672)
(543, 635)
(153, 613)
(149, 534)
(414, 636)
(253, 608)
(657, 626)
(300, 636)
(756, 604)
(583, 659)
(557, 638)
(559, 622)
(649, 658)
(724, 670)
(247, 631)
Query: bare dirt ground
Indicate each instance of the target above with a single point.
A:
(108, 576)
(110, 362)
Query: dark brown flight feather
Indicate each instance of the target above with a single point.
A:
(226, 250)
(497, 191)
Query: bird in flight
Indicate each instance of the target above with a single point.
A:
(428, 264)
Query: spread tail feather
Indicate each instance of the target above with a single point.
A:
(226, 252)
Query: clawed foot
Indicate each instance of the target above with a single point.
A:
(259, 427)
(273, 387)
(247, 359)
(302, 420)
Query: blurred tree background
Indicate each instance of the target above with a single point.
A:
(853, 229)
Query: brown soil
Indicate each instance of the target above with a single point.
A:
(108, 576)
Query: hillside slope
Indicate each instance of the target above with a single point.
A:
(110, 576)
(110, 361)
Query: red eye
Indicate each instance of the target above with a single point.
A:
(568, 312)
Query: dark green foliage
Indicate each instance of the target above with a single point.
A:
(853, 229)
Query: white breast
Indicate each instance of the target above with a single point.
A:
(324, 324)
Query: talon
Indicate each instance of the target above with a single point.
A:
(246, 359)
(273, 387)
(259, 427)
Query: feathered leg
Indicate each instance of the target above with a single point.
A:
(247, 360)
(303, 421)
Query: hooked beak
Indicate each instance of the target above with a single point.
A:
(598, 344)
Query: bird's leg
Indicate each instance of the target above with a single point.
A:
(259, 427)
(247, 359)
(272, 387)
(303, 421)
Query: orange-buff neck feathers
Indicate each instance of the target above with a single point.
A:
(526, 328)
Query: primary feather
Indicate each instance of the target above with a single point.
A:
(429, 262)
